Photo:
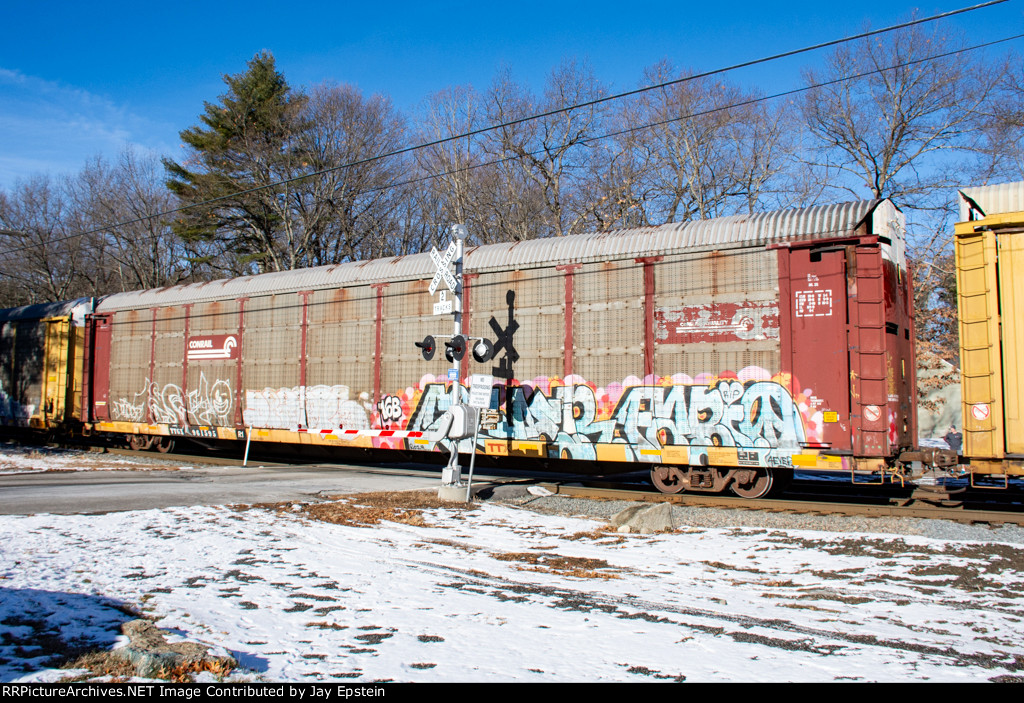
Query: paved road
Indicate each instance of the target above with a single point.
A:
(109, 491)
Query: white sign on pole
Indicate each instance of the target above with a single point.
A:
(480, 390)
(442, 263)
(443, 305)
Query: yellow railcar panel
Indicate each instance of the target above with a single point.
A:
(1011, 301)
(980, 357)
(55, 381)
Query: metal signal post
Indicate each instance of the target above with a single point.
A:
(460, 421)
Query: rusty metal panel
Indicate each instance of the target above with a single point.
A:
(340, 346)
(130, 348)
(901, 356)
(717, 314)
(1011, 301)
(212, 350)
(813, 313)
(980, 356)
(271, 346)
(98, 393)
(608, 323)
(165, 373)
(407, 317)
(535, 300)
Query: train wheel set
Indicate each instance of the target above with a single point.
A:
(720, 354)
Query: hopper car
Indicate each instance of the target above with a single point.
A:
(719, 355)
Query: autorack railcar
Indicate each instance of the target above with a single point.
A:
(721, 353)
(990, 288)
(42, 365)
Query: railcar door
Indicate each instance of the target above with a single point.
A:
(98, 392)
(813, 312)
(57, 359)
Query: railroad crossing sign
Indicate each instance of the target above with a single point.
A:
(442, 263)
(444, 306)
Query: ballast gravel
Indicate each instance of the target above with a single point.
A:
(727, 517)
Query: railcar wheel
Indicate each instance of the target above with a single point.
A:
(668, 479)
(164, 445)
(753, 483)
(139, 442)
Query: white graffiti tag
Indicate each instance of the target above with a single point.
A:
(317, 407)
(207, 404)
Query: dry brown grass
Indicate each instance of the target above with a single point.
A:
(544, 562)
(365, 509)
(101, 664)
(120, 670)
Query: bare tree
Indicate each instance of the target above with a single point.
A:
(1002, 151)
(704, 148)
(346, 212)
(453, 168)
(40, 254)
(124, 201)
(893, 121)
(546, 160)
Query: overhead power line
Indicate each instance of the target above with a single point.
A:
(700, 113)
(569, 108)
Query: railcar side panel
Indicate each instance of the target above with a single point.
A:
(23, 406)
(131, 343)
(1011, 302)
(340, 361)
(271, 351)
(901, 355)
(980, 349)
(58, 373)
(210, 364)
(815, 355)
(870, 367)
(166, 362)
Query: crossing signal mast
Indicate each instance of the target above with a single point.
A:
(460, 421)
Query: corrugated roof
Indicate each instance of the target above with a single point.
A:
(983, 201)
(820, 222)
(77, 308)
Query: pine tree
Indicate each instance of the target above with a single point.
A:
(245, 143)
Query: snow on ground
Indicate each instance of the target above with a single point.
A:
(18, 460)
(501, 593)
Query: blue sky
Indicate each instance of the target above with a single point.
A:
(79, 79)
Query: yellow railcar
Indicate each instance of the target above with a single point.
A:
(990, 283)
(41, 379)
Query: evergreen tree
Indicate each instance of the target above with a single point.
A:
(244, 143)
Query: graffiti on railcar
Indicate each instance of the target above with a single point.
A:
(209, 403)
(717, 322)
(751, 411)
(318, 406)
(13, 412)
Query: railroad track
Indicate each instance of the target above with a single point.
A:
(803, 497)
(920, 503)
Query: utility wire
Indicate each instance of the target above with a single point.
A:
(549, 113)
(691, 115)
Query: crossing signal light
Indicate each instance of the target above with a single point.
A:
(483, 351)
(455, 349)
(427, 347)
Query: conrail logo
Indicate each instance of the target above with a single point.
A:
(218, 346)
